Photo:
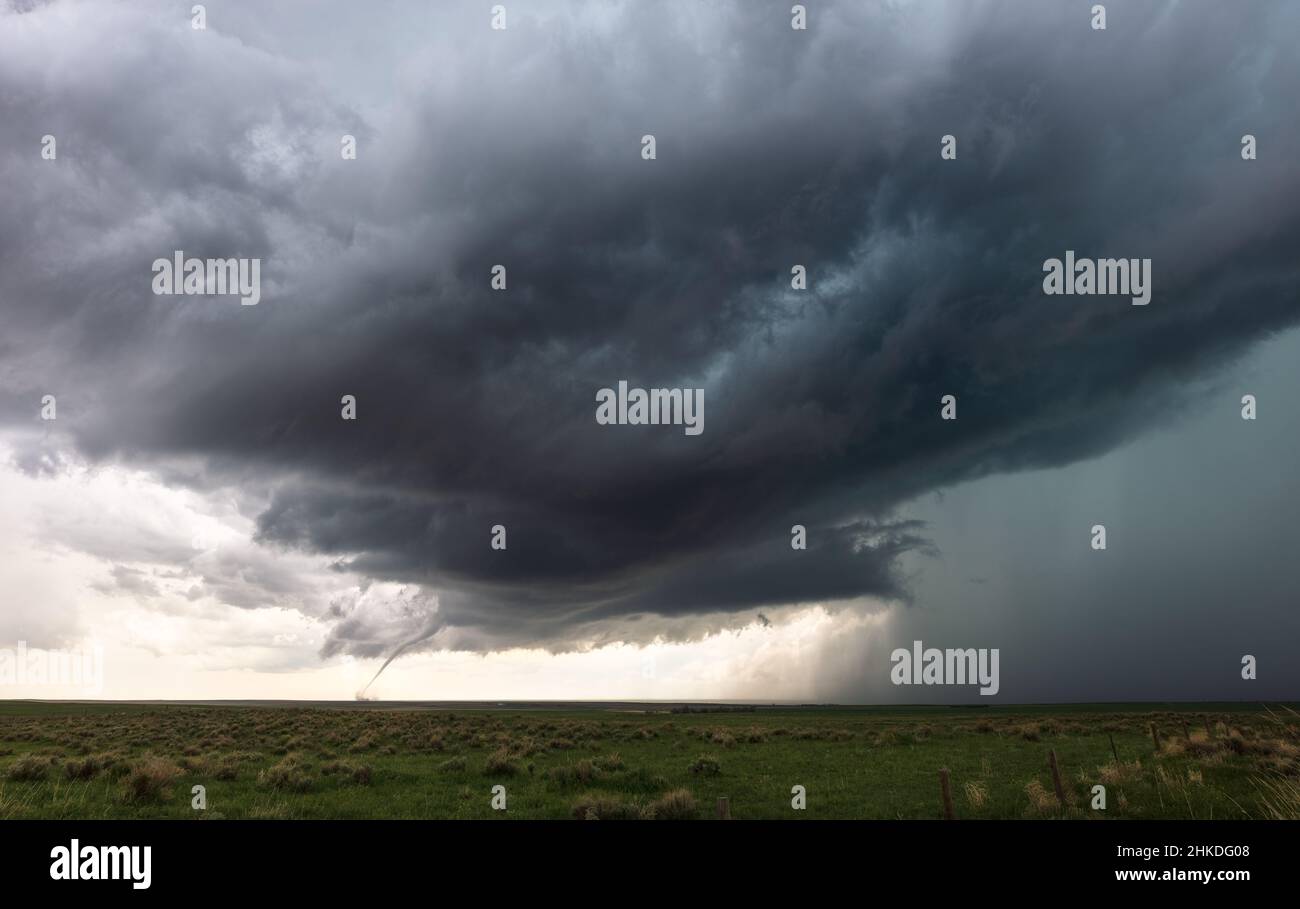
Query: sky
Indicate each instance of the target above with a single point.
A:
(200, 514)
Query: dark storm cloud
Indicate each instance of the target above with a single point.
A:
(522, 148)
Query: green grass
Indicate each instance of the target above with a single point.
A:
(140, 761)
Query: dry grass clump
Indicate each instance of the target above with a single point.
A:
(90, 766)
(1275, 748)
(364, 743)
(1279, 798)
(500, 763)
(149, 779)
(226, 767)
(348, 772)
(1199, 746)
(1041, 801)
(583, 772)
(977, 794)
(605, 808)
(1127, 772)
(677, 805)
(290, 774)
(706, 765)
(29, 768)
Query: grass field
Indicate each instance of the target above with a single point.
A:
(105, 760)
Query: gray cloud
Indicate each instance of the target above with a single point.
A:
(522, 148)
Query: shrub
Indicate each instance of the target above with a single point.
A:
(225, 767)
(677, 805)
(29, 769)
(289, 774)
(1197, 748)
(499, 764)
(150, 779)
(583, 771)
(86, 768)
(706, 765)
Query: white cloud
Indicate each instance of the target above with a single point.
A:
(162, 580)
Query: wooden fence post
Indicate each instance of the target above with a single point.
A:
(1112, 748)
(1155, 736)
(1056, 777)
(946, 790)
(724, 809)
(1186, 734)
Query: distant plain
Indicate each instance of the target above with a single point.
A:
(627, 760)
